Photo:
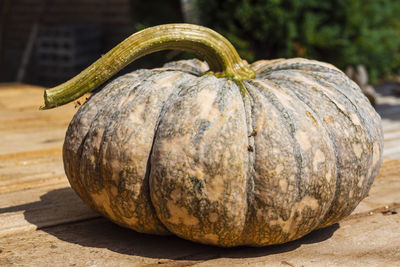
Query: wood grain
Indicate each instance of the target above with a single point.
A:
(367, 241)
(34, 191)
(388, 106)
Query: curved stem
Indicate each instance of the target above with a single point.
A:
(217, 51)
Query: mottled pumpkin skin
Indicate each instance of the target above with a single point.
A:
(173, 151)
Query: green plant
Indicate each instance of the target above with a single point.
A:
(342, 32)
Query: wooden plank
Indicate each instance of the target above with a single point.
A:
(56, 206)
(92, 243)
(23, 127)
(368, 241)
(385, 190)
(393, 135)
(34, 191)
(391, 129)
(373, 240)
(393, 152)
(390, 126)
(389, 109)
(31, 169)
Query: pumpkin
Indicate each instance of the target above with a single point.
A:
(220, 152)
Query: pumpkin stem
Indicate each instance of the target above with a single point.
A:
(217, 51)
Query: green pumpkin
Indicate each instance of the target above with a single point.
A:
(256, 158)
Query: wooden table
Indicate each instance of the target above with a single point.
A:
(44, 223)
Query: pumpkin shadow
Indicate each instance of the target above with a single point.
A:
(98, 232)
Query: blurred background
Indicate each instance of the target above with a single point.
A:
(45, 42)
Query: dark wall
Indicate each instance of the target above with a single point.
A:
(17, 18)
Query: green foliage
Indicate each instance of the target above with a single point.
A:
(151, 13)
(342, 32)
(155, 12)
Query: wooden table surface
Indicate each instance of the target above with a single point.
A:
(44, 223)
